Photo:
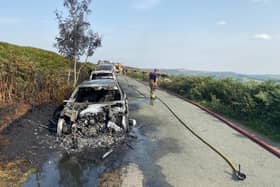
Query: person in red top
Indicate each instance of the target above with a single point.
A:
(153, 76)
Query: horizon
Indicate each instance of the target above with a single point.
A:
(150, 68)
(239, 37)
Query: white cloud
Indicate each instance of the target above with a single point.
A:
(262, 36)
(221, 22)
(259, 1)
(6, 20)
(144, 4)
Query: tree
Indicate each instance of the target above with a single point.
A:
(75, 38)
(94, 41)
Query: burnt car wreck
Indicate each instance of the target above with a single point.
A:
(96, 115)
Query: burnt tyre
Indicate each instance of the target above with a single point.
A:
(60, 125)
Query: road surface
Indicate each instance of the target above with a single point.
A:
(162, 153)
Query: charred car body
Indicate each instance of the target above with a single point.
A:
(96, 107)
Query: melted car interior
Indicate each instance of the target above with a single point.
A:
(93, 95)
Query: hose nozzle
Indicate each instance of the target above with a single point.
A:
(239, 175)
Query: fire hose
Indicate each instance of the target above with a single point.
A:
(236, 170)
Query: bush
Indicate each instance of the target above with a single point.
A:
(254, 104)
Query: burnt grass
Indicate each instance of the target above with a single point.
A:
(27, 138)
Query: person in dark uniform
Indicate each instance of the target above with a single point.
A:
(153, 76)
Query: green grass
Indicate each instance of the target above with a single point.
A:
(39, 58)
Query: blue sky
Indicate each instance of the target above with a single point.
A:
(215, 35)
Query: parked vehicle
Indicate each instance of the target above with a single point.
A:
(102, 74)
(105, 67)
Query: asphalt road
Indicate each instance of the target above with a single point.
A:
(167, 154)
(160, 151)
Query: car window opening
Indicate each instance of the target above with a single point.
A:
(96, 96)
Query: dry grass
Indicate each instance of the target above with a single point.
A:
(14, 173)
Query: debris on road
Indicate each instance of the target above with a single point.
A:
(130, 146)
(107, 154)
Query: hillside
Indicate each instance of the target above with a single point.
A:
(17, 55)
(28, 74)
(222, 75)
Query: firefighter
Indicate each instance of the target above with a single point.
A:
(153, 76)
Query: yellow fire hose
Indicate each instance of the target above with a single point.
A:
(236, 171)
